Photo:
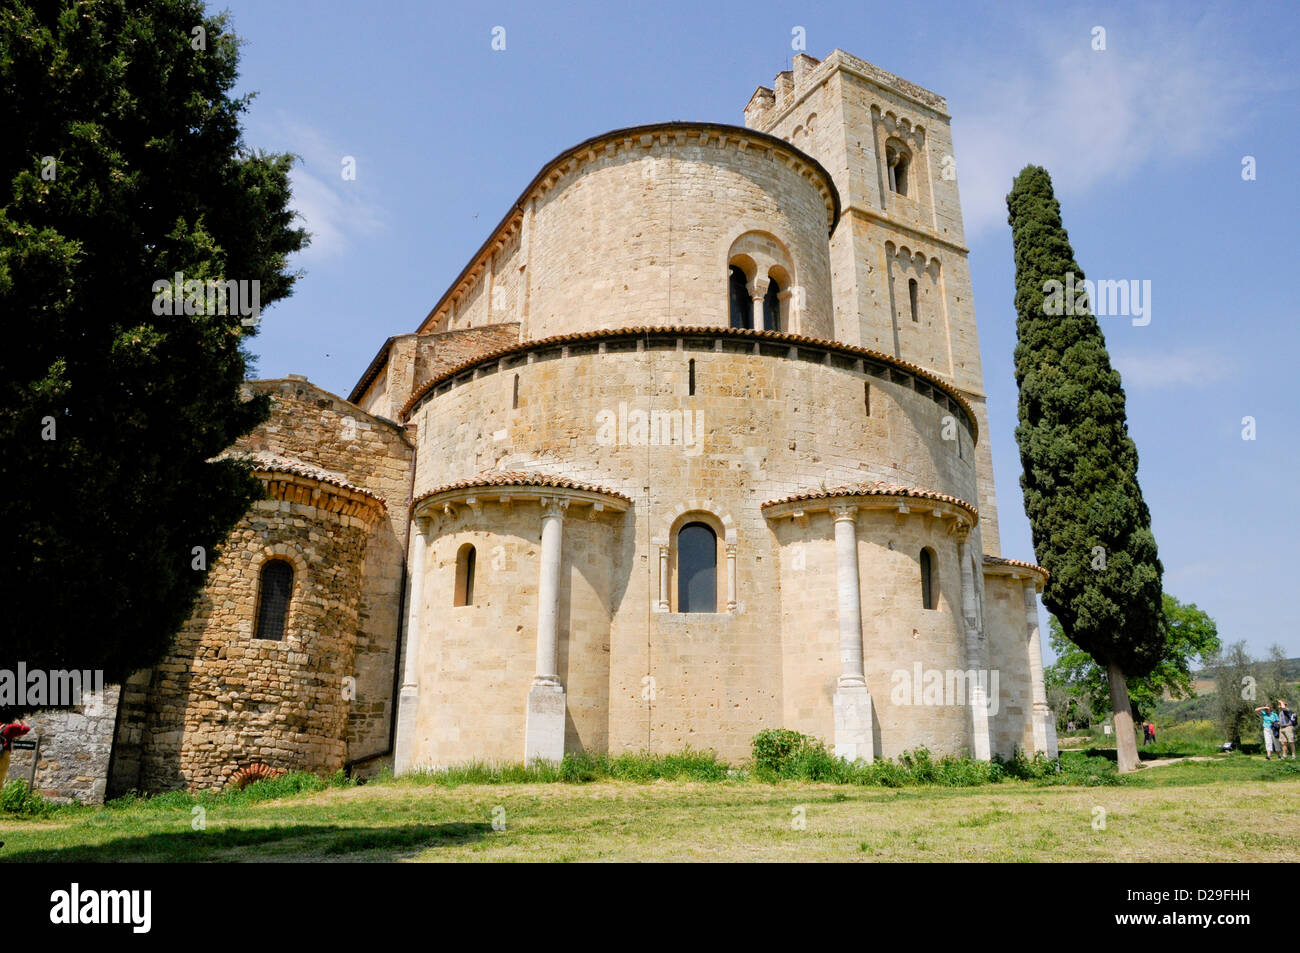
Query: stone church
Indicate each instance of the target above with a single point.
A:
(693, 446)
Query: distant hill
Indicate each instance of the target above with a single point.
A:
(1204, 705)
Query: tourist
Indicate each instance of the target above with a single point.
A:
(7, 735)
(1151, 726)
(1269, 719)
(1286, 722)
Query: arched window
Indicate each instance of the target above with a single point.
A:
(898, 161)
(929, 581)
(465, 560)
(772, 307)
(913, 296)
(274, 590)
(742, 307)
(697, 568)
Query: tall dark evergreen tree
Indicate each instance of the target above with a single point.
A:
(1091, 527)
(121, 164)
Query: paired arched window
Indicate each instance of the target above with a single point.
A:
(274, 590)
(899, 162)
(742, 307)
(929, 580)
(697, 568)
(466, 557)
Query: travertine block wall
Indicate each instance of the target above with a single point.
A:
(476, 662)
(772, 425)
(898, 632)
(1008, 650)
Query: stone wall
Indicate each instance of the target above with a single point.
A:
(223, 699)
(76, 746)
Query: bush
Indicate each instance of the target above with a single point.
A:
(16, 800)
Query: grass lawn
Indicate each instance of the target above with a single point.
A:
(1188, 811)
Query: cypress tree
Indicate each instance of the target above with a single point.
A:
(1091, 527)
(121, 164)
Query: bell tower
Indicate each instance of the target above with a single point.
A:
(899, 273)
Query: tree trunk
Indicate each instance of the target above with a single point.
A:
(1125, 740)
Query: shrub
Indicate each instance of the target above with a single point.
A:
(15, 799)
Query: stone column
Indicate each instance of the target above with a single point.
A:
(852, 700)
(663, 577)
(1044, 721)
(409, 699)
(544, 729)
(978, 700)
(731, 577)
(758, 313)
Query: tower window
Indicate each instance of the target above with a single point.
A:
(514, 401)
(913, 294)
(899, 162)
(772, 306)
(465, 560)
(866, 396)
(742, 307)
(929, 584)
(697, 568)
(691, 374)
(274, 590)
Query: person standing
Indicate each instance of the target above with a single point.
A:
(8, 734)
(1286, 724)
(1269, 719)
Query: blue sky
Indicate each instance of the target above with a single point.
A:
(1144, 140)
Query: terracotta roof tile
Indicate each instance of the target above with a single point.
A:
(274, 463)
(877, 488)
(520, 478)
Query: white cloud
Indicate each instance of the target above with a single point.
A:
(1095, 117)
(335, 210)
(1188, 367)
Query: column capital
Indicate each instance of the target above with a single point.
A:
(554, 506)
(844, 511)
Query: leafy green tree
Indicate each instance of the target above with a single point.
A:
(121, 164)
(1237, 693)
(1091, 527)
(1190, 637)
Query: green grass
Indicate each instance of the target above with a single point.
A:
(691, 807)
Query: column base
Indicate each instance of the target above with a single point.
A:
(544, 727)
(853, 724)
(1045, 732)
(404, 743)
(979, 710)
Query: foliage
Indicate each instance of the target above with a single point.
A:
(1189, 634)
(121, 164)
(1080, 465)
(1235, 695)
(16, 800)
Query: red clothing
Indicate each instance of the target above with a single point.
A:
(11, 731)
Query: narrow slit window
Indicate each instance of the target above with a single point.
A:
(913, 296)
(866, 396)
(274, 590)
(466, 557)
(928, 581)
(514, 400)
(691, 375)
